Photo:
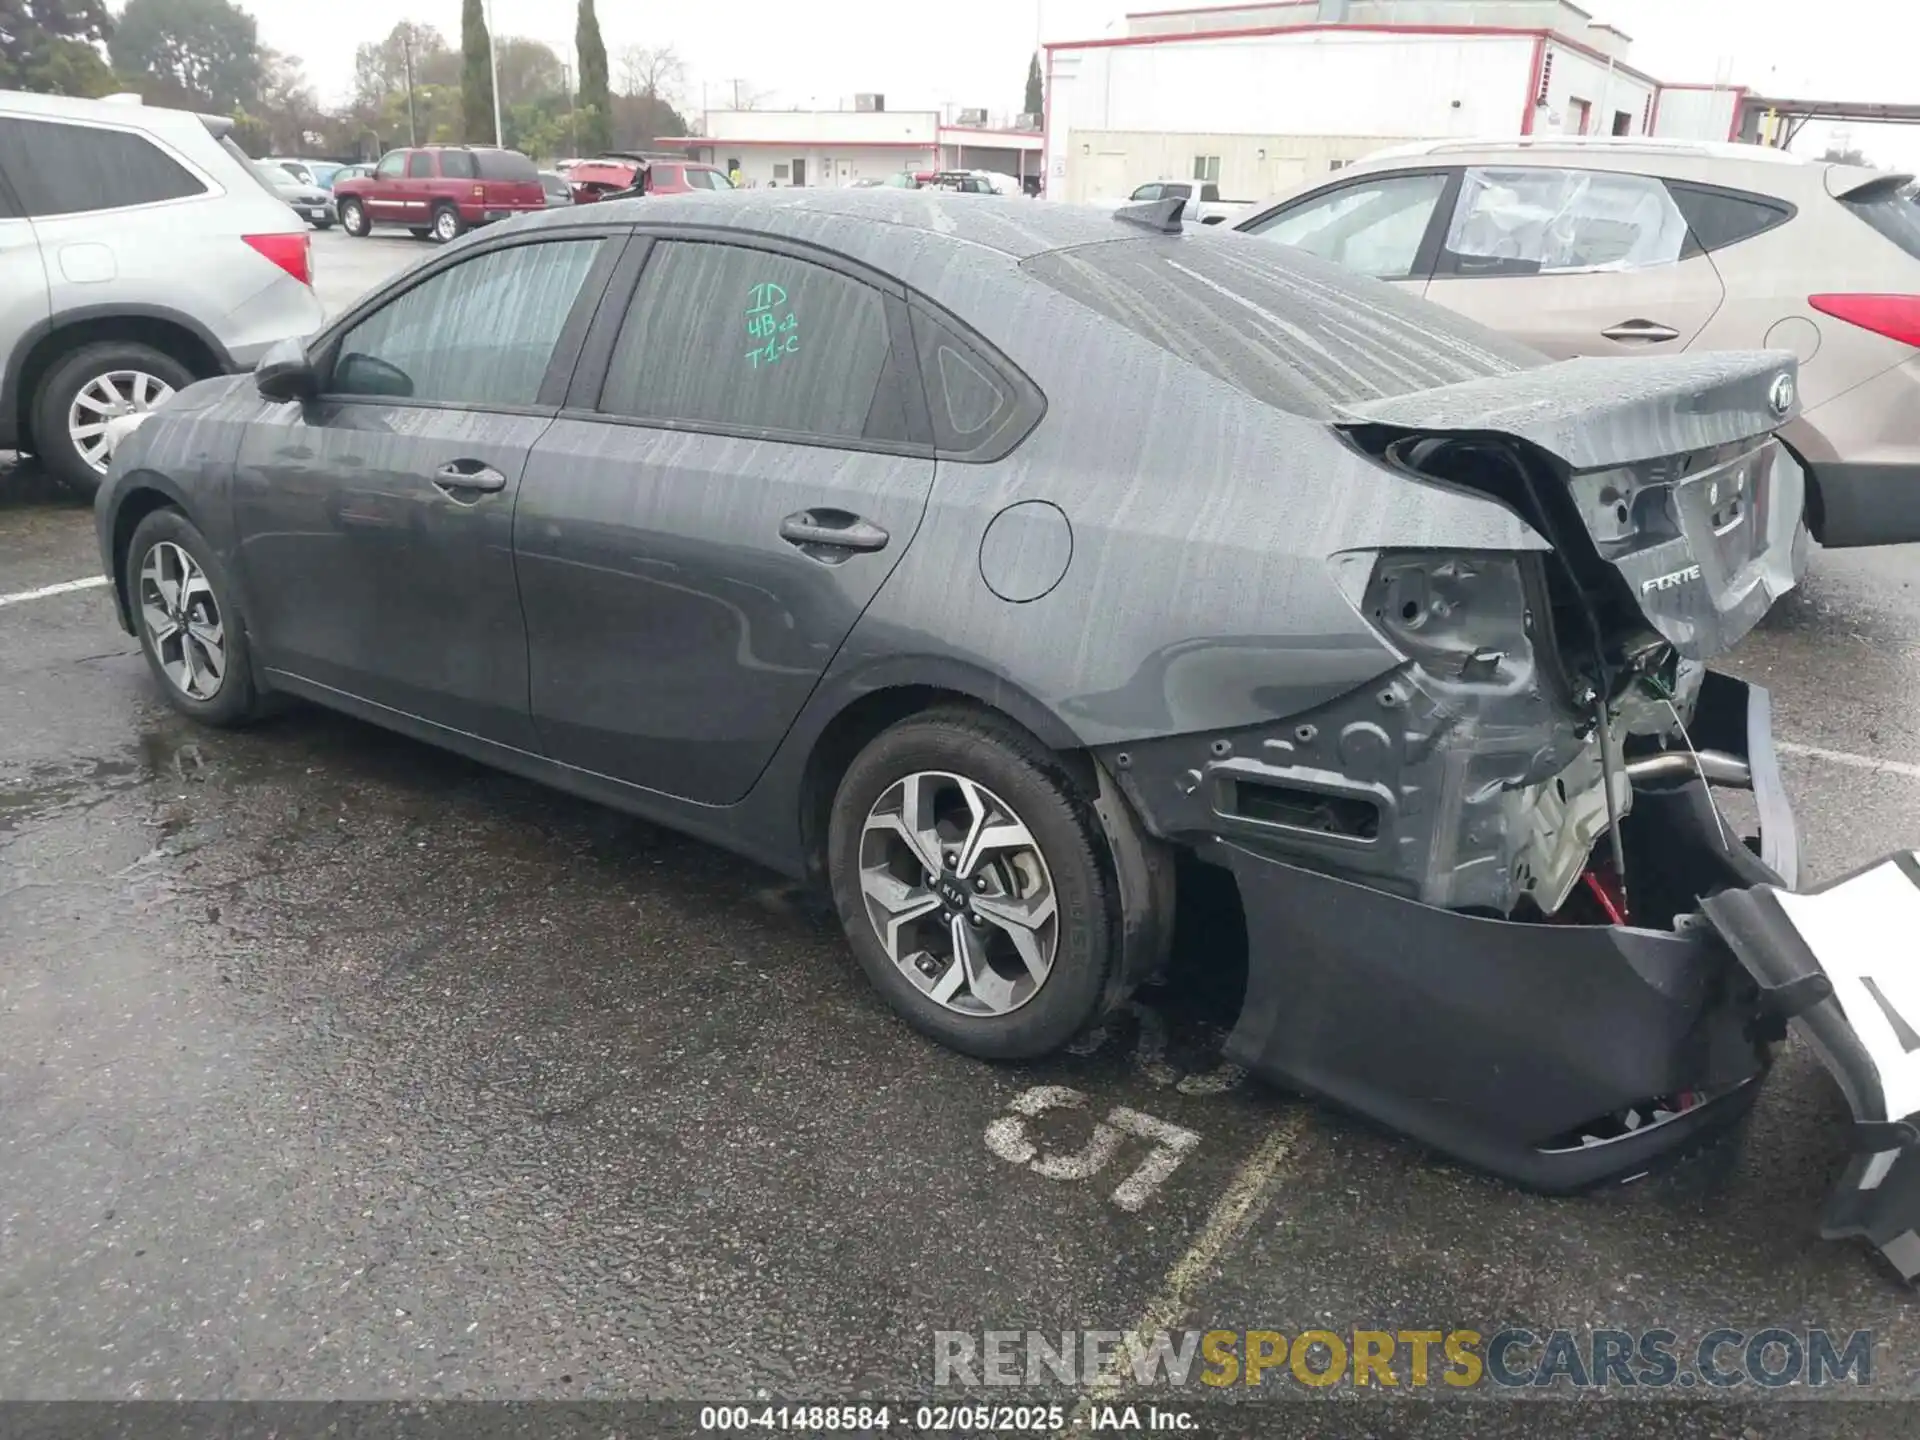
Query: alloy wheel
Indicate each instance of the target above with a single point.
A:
(183, 621)
(959, 893)
(446, 225)
(105, 398)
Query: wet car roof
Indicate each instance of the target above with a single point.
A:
(1013, 225)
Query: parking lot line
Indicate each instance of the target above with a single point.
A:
(1237, 1208)
(1843, 757)
(63, 588)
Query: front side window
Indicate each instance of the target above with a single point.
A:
(420, 166)
(1372, 228)
(1146, 192)
(480, 333)
(736, 338)
(392, 166)
(1525, 221)
(61, 169)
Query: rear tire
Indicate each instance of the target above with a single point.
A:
(353, 219)
(82, 391)
(189, 622)
(447, 225)
(972, 963)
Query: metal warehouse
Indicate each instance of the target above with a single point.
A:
(1260, 97)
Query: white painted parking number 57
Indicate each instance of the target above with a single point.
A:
(1007, 1138)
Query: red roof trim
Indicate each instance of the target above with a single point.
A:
(798, 144)
(1496, 32)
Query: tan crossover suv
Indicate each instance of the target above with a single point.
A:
(1619, 247)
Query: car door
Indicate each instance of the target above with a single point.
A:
(374, 523)
(1575, 262)
(24, 306)
(385, 194)
(1385, 225)
(702, 527)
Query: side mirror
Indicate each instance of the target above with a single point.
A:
(285, 373)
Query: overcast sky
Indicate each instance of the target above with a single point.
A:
(922, 56)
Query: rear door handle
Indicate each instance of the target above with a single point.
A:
(1650, 331)
(834, 529)
(468, 479)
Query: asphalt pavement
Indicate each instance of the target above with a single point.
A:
(335, 1066)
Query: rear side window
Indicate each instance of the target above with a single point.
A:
(456, 164)
(737, 338)
(420, 166)
(479, 333)
(502, 165)
(1893, 209)
(978, 412)
(1285, 328)
(61, 169)
(1528, 221)
(1718, 218)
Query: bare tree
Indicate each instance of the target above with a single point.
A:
(652, 70)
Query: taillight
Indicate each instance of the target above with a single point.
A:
(292, 253)
(1895, 316)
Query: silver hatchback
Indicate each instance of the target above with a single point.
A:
(139, 252)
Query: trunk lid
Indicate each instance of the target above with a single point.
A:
(1669, 466)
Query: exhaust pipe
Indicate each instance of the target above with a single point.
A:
(1716, 767)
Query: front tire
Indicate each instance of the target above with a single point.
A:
(447, 225)
(353, 219)
(969, 873)
(189, 621)
(90, 387)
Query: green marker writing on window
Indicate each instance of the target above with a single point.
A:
(772, 326)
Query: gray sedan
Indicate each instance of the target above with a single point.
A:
(1015, 571)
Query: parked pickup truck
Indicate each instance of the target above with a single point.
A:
(1210, 210)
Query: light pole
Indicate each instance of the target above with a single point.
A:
(493, 63)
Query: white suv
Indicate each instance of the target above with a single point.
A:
(138, 253)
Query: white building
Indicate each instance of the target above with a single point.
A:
(840, 147)
(1260, 97)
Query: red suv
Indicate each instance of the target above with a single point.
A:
(440, 190)
(613, 174)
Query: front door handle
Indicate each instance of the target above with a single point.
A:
(833, 530)
(1651, 332)
(468, 480)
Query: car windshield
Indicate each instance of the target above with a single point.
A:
(272, 176)
(1284, 327)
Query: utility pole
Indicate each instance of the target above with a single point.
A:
(573, 127)
(406, 50)
(493, 62)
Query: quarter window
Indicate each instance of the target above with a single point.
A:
(1374, 227)
(1718, 218)
(60, 169)
(481, 333)
(1558, 222)
(736, 338)
(457, 165)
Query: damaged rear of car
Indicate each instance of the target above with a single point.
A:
(1490, 898)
